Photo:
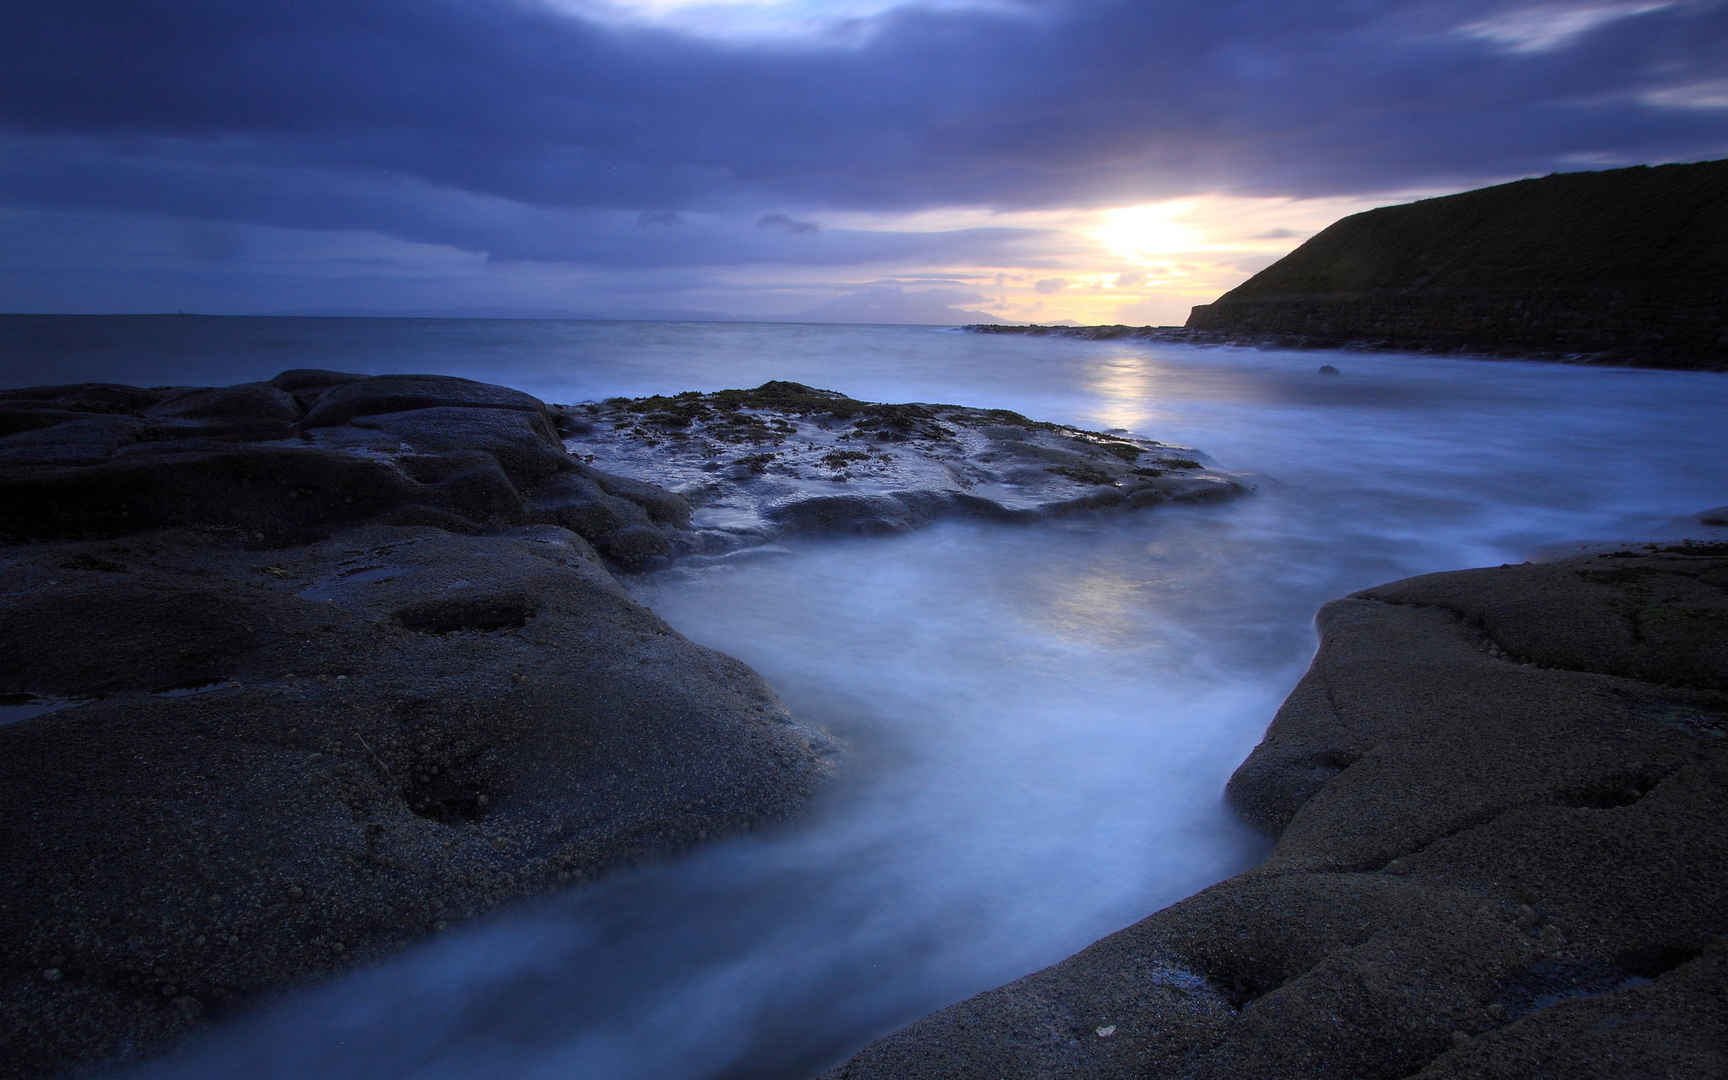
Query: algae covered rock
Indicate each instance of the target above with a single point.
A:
(751, 466)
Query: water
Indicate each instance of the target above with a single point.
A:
(1038, 720)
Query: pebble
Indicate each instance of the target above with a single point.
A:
(52, 974)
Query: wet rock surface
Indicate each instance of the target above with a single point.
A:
(302, 671)
(751, 466)
(1498, 796)
(298, 673)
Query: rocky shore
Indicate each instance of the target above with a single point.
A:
(301, 672)
(1316, 339)
(1498, 797)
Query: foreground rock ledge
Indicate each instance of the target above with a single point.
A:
(1499, 797)
(301, 671)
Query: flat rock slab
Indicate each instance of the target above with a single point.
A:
(224, 770)
(786, 458)
(290, 460)
(1499, 798)
(300, 672)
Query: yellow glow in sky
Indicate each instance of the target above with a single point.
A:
(1145, 234)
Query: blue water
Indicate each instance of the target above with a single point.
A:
(1038, 720)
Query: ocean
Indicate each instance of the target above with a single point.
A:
(1038, 721)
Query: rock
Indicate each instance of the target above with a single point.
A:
(400, 721)
(472, 458)
(301, 672)
(751, 466)
(1328, 369)
(524, 443)
(259, 401)
(279, 706)
(342, 402)
(1487, 865)
(83, 397)
(662, 506)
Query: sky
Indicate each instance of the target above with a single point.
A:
(943, 161)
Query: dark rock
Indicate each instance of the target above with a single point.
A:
(1328, 369)
(300, 379)
(84, 397)
(81, 439)
(857, 515)
(301, 759)
(634, 546)
(264, 489)
(523, 442)
(252, 401)
(401, 393)
(16, 417)
(1498, 805)
(315, 692)
(623, 529)
(662, 506)
(230, 458)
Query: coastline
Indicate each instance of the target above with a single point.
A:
(1650, 357)
(268, 610)
(1497, 798)
(310, 670)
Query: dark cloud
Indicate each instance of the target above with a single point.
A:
(787, 223)
(514, 130)
(1278, 234)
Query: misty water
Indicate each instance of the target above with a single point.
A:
(1037, 721)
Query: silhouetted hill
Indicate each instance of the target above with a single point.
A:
(1631, 264)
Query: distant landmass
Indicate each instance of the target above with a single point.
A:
(1626, 266)
(1628, 263)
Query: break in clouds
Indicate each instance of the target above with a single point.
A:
(522, 131)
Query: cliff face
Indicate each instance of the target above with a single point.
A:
(1631, 262)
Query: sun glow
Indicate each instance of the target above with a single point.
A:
(1146, 234)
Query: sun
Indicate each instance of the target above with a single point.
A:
(1147, 233)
